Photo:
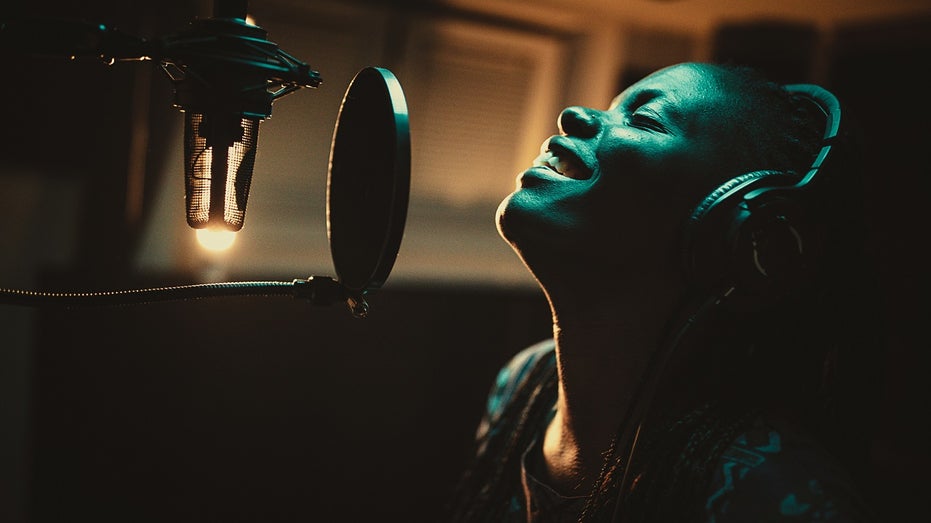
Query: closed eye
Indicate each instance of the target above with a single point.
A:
(646, 121)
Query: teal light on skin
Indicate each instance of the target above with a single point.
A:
(609, 178)
(594, 218)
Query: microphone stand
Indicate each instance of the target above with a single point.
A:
(211, 44)
(318, 290)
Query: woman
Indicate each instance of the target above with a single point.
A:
(669, 394)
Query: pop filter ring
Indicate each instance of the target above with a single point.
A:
(368, 181)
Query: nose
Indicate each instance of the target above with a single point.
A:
(578, 121)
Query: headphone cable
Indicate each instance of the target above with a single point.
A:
(649, 385)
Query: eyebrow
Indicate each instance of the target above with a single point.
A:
(646, 96)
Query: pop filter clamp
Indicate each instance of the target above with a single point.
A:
(368, 179)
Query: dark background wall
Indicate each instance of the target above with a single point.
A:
(273, 409)
(876, 70)
(267, 409)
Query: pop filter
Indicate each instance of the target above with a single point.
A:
(368, 181)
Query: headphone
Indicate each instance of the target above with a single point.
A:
(756, 230)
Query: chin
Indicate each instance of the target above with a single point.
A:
(526, 227)
(511, 219)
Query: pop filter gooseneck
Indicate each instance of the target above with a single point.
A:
(367, 195)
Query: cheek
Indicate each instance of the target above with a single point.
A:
(640, 216)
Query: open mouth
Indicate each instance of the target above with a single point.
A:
(562, 162)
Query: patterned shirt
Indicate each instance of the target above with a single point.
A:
(770, 473)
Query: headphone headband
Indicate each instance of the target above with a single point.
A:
(757, 224)
(830, 106)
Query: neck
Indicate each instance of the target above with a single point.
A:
(603, 348)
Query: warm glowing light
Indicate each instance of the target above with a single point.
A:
(250, 20)
(215, 239)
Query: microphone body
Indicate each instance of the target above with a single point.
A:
(226, 75)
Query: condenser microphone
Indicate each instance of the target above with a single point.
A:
(226, 74)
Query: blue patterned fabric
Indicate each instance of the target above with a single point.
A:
(770, 473)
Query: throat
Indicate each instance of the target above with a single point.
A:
(572, 465)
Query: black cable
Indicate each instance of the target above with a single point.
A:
(648, 388)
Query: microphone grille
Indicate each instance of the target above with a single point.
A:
(219, 155)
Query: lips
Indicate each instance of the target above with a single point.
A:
(561, 160)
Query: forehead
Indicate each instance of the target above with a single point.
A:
(688, 86)
(693, 96)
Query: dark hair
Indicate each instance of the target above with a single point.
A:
(774, 129)
(809, 351)
(799, 340)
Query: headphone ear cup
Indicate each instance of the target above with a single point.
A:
(730, 240)
(772, 242)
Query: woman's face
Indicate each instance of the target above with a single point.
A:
(617, 184)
